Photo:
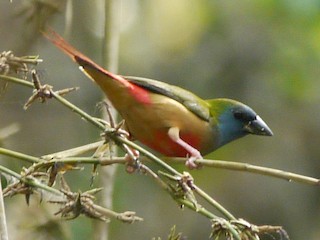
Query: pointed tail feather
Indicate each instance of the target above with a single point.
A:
(78, 57)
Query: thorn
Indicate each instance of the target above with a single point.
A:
(43, 92)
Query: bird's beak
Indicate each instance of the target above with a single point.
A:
(258, 127)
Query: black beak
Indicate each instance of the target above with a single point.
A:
(258, 127)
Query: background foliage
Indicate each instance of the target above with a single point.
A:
(265, 53)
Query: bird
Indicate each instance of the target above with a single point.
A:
(169, 119)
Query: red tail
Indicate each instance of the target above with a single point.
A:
(77, 56)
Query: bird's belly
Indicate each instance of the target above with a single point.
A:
(149, 124)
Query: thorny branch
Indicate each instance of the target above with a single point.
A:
(9, 63)
(43, 92)
(73, 204)
(220, 228)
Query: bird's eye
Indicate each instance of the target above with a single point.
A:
(243, 116)
(238, 115)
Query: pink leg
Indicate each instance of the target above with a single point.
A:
(194, 153)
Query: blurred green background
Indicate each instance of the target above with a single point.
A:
(264, 53)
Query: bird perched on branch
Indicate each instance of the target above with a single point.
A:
(167, 118)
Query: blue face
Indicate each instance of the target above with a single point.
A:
(234, 122)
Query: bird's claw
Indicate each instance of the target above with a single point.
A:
(190, 163)
(132, 159)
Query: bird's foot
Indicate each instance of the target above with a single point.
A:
(190, 163)
(132, 160)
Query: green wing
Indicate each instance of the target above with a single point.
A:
(191, 101)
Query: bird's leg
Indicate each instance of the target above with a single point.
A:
(194, 153)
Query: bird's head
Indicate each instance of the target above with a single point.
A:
(235, 120)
